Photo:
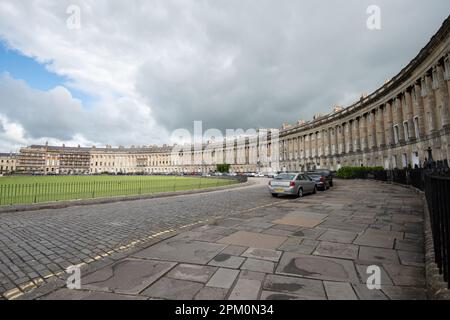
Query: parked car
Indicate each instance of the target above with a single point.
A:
(296, 184)
(326, 173)
(321, 181)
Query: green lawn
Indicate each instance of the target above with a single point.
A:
(36, 189)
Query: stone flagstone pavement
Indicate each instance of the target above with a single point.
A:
(316, 247)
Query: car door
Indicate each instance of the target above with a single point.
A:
(310, 183)
(303, 183)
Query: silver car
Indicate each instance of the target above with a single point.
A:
(296, 184)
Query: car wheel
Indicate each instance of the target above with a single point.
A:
(315, 190)
(300, 192)
(331, 183)
(274, 195)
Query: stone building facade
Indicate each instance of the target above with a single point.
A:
(398, 125)
(8, 163)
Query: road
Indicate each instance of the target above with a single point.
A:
(36, 244)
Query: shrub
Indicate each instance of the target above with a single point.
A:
(357, 172)
(224, 168)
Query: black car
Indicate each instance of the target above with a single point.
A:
(321, 181)
(326, 173)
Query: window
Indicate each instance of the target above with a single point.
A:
(435, 82)
(394, 161)
(442, 116)
(404, 160)
(416, 127)
(406, 131)
(396, 134)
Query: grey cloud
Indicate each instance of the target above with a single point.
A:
(289, 60)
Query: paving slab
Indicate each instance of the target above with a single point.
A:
(252, 239)
(211, 293)
(405, 293)
(304, 288)
(234, 250)
(258, 265)
(298, 245)
(196, 252)
(173, 289)
(364, 293)
(378, 255)
(336, 250)
(405, 275)
(272, 295)
(409, 258)
(128, 276)
(223, 278)
(339, 291)
(245, 289)
(298, 221)
(226, 261)
(67, 294)
(262, 254)
(338, 236)
(315, 267)
(192, 272)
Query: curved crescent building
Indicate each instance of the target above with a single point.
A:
(398, 125)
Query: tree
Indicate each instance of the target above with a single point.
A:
(224, 168)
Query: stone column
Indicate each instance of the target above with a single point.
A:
(374, 128)
(343, 138)
(336, 140)
(398, 118)
(324, 142)
(429, 103)
(363, 132)
(418, 106)
(350, 136)
(444, 93)
(329, 143)
(389, 130)
(409, 114)
(380, 127)
(304, 146)
(357, 134)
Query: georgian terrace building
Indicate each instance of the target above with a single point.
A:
(398, 125)
(247, 154)
(7, 163)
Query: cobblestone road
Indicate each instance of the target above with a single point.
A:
(36, 244)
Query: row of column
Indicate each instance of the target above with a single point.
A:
(420, 111)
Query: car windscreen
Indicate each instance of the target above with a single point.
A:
(285, 176)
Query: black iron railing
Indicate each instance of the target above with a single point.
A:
(437, 192)
(16, 193)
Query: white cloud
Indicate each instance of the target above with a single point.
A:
(158, 65)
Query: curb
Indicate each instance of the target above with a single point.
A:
(86, 202)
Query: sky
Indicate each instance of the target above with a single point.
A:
(128, 73)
